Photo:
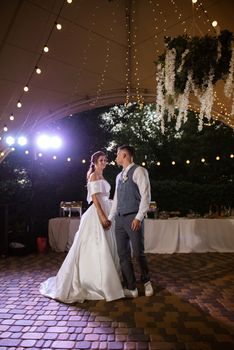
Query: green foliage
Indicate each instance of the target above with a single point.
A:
(194, 186)
(205, 54)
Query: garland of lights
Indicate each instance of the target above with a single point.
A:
(193, 65)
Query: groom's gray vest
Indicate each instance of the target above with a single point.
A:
(128, 195)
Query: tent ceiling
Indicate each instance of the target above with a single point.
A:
(104, 47)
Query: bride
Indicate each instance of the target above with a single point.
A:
(91, 269)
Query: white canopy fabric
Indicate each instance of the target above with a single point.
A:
(104, 54)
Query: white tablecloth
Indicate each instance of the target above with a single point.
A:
(61, 232)
(189, 235)
(161, 236)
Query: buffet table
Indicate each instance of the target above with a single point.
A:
(161, 236)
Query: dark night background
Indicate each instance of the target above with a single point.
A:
(31, 189)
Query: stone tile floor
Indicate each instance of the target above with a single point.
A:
(192, 308)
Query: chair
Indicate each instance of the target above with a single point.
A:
(71, 208)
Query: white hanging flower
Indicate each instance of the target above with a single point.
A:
(160, 99)
(228, 87)
(206, 99)
(170, 71)
(184, 54)
(183, 102)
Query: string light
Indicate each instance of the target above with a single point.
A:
(203, 160)
(46, 49)
(158, 163)
(68, 159)
(83, 161)
(11, 117)
(214, 24)
(54, 157)
(187, 161)
(38, 70)
(217, 158)
(69, 1)
(173, 162)
(58, 26)
(5, 128)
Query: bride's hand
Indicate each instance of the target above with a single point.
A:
(106, 224)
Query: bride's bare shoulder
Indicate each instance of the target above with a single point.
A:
(93, 177)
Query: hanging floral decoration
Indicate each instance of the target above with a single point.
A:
(192, 65)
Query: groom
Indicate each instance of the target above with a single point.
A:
(130, 204)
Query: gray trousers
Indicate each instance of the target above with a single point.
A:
(125, 239)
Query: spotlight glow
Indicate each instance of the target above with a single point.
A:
(55, 142)
(10, 140)
(22, 141)
(45, 142)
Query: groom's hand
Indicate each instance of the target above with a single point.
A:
(136, 225)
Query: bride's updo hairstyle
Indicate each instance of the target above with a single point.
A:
(93, 161)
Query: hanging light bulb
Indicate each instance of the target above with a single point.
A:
(194, 1)
(46, 49)
(58, 26)
(26, 88)
(19, 104)
(214, 24)
(11, 117)
(5, 128)
(38, 70)
(69, 1)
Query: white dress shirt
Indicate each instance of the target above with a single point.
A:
(141, 178)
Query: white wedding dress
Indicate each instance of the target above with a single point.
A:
(91, 268)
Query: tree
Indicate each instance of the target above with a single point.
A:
(140, 127)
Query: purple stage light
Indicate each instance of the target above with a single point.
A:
(10, 140)
(22, 141)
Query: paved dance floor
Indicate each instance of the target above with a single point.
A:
(192, 308)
